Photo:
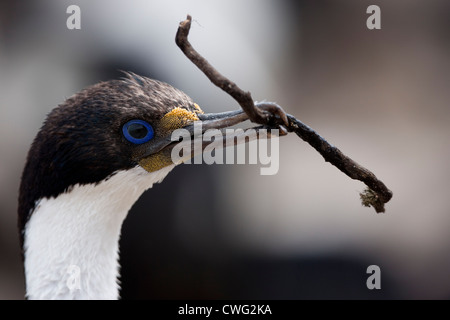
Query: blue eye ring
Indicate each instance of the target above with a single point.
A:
(138, 131)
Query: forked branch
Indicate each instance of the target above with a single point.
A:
(376, 194)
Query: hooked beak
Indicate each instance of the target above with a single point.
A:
(208, 121)
(158, 154)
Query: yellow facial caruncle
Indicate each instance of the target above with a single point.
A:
(175, 119)
(156, 161)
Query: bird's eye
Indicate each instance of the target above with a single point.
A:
(137, 131)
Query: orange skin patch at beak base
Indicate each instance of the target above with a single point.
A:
(174, 119)
(156, 161)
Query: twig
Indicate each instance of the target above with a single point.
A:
(376, 195)
(243, 98)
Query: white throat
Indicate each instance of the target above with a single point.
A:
(71, 241)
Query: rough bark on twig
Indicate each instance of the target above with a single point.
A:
(376, 195)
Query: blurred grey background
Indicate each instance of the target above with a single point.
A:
(225, 231)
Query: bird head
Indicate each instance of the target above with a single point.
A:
(106, 128)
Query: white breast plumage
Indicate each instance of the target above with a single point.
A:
(76, 235)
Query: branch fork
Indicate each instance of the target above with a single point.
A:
(272, 115)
